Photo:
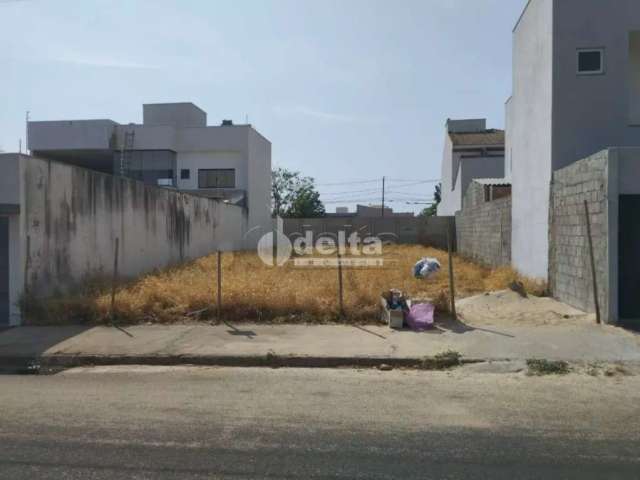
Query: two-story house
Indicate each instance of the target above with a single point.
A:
(576, 91)
(471, 151)
(173, 147)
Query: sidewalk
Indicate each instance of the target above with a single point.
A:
(309, 345)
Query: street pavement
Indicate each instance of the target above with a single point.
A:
(141, 422)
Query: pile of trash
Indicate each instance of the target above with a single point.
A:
(399, 312)
(426, 268)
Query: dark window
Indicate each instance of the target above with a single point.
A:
(217, 178)
(185, 174)
(590, 61)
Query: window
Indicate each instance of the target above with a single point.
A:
(590, 62)
(217, 178)
(185, 174)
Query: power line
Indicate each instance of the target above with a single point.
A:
(353, 182)
(379, 180)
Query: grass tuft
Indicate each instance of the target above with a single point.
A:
(547, 367)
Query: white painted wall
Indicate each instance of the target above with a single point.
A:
(259, 187)
(530, 138)
(450, 202)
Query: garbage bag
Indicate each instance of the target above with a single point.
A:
(426, 267)
(420, 316)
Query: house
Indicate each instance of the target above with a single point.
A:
(572, 119)
(173, 147)
(576, 91)
(470, 151)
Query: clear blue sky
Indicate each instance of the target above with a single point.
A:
(345, 90)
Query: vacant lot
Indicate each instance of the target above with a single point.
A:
(256, 292)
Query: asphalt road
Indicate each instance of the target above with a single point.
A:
(188, 423)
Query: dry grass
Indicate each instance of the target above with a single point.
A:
(255, 292)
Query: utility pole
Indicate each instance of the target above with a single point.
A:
(383, 179)
(26, 146)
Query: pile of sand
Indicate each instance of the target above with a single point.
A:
(509, 308)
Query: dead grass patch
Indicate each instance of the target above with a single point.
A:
(255, 292)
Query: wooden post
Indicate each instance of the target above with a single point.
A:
(340, 294)
(593, 264)
(219, 289)
(114, 281)
(452, 291)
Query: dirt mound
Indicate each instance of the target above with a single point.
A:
(509, 308)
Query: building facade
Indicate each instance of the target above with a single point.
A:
(576, 91)
(173, 147)
(471, 151)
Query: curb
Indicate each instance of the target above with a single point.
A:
(34, 363)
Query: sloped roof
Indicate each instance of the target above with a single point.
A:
(487, 138)
(496, 182)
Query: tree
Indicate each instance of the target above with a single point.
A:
(432, 210)
(293, 195)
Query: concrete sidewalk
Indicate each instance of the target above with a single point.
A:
(309, 345)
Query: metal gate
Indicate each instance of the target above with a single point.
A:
(629, 258)
(4, 271)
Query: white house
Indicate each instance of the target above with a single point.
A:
(471, 151)
(173, 147)
(576, 91)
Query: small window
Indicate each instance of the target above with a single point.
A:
(185, 174)
(217, 178)
(590, 62)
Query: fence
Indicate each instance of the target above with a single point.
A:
(430, 231)
(484, 228)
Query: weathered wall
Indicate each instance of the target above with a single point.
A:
(73, 216)
(484, 228)
(570, 277)
(428, 231)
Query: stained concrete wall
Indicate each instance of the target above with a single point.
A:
(430, 231)
(483, 229)
(570, 277)
(72, 218)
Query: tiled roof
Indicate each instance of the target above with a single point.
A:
(486, 138)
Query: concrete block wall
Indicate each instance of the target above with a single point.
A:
(570, 277)
(430, 231)
(71, 218)
(483, 229)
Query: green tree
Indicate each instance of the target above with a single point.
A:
(293, 195)
(432, 210)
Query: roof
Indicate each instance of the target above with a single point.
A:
(487, 138)
(494, 182)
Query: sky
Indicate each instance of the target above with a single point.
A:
(347, 91)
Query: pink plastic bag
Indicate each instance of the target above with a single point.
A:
(420, 316)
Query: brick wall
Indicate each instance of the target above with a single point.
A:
(484, 228)
(570, 277)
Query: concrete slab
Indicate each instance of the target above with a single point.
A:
(578, 342)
